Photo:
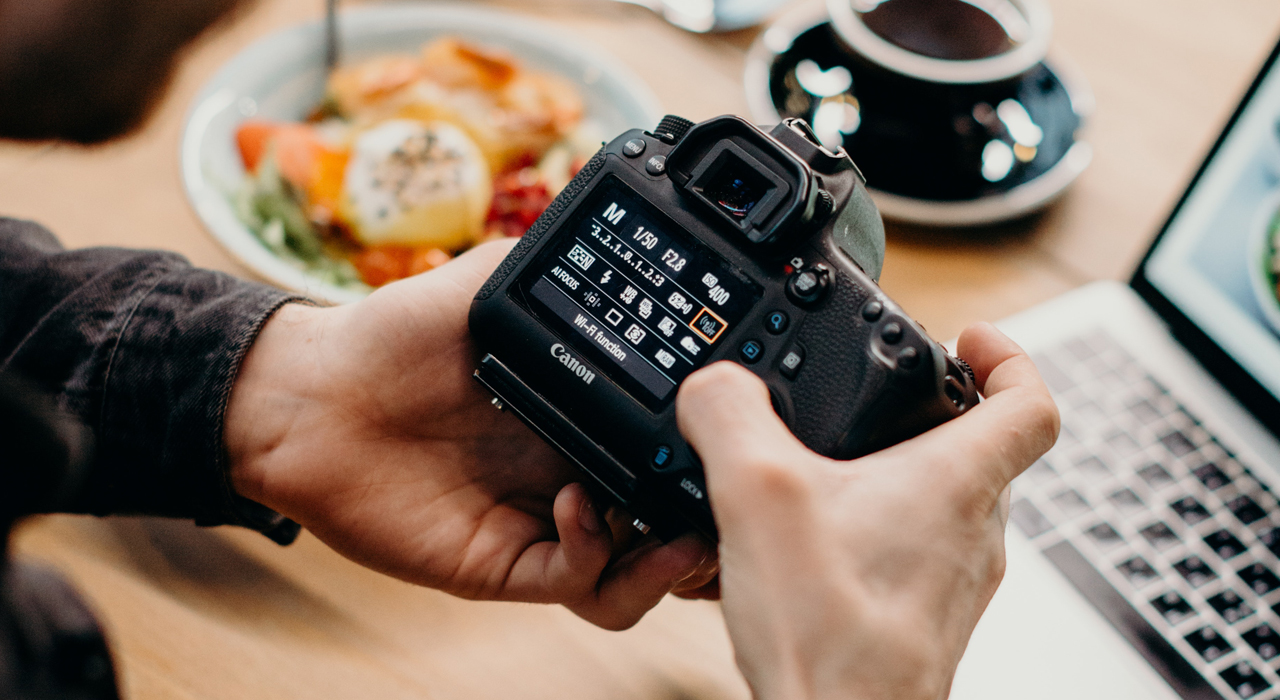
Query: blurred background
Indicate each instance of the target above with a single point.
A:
(221, 613)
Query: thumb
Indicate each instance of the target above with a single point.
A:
(724, 412)
(471, 269)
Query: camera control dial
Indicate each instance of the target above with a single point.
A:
(807, 286)
(672, 128)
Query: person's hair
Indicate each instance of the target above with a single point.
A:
(91, 70)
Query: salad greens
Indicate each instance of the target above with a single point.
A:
(272, 213)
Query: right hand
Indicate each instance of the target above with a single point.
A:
(865, 578)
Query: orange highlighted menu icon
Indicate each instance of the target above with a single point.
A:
(708, 325)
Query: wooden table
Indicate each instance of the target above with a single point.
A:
(226, 614)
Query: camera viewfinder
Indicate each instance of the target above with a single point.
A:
(736, 189)
(739, 187)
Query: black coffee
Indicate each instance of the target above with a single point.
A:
(948, 29)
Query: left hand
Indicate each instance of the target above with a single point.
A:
(363, 423)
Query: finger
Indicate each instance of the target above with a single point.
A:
(1003, 435)
(463, 275)
(585, 542)
(725, 413)
(707, 572)
(707, 591)
(1011, 382)
(640, 579)
(998, 363)
(567, 570)
(622, 525)
(474, 267)
(710, 591)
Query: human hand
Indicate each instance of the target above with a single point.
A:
(363, 423)
(863, 579)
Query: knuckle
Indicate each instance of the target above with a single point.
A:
(968, 488)
(775, 478)
(1045, 421)
(996, 566)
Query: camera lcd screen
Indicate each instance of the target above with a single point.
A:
(636, 294)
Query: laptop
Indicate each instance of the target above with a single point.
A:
(1144, 549)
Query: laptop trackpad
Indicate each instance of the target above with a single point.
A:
(1041, 639)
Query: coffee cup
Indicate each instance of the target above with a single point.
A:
(949, 107)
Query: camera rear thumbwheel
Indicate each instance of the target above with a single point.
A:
(807, 286)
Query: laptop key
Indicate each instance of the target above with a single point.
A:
(1155, 475)
(1057, 380)
(1160, 536)
(1126, 499)
(1244, 679)
(1230, 606)
(1071, 502)
(1208, 643)
(1173, 607)
(1195, 571)
(1264, 640)
(1190, 510)
(1079, 348)
(1138, 571)
(1259, 578)
(1226, 544)
(1104, 535)
(1211, 476)
(1177, 443)
(1029, 519)
(1271, 538)
(1144, 411)
(1094, 465)
(1246, 509)
(1122, 443)
(1041, 471)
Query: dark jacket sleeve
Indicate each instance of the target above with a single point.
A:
(143, 348)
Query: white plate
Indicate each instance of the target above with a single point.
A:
(1260, 278)
(281, 77)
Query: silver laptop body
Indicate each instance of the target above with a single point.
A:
(1144, 549)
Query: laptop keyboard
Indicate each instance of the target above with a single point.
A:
(1157, 524)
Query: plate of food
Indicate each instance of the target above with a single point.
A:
(444, 127)
(1264, 261)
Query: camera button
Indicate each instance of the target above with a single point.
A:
(891, 333)
(776, 322)
(751, 351)
(634, 148)
(656, 165)
(871, 312)
(791, 362)
(662, 456)
(908, 358)
(808, 286)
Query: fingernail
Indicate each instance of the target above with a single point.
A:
(588, 518)
(692, 540)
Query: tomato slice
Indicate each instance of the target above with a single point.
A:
(252, 138)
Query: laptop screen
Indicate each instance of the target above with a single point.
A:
(1214, 272)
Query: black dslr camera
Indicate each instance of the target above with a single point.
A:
(691, 244)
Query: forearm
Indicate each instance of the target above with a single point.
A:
(143, 349)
